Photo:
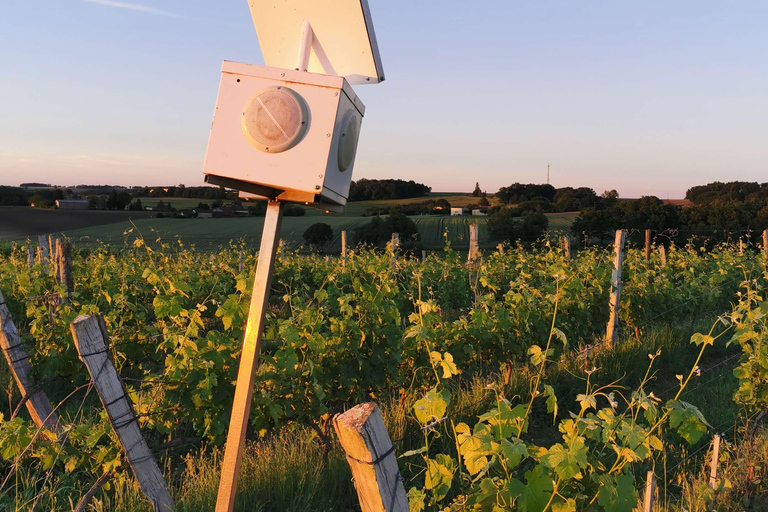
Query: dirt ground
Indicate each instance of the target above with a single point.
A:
(19, 222)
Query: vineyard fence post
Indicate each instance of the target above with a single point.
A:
(474, 251)
(30, 257)
(741, 246)
(765, 244)
(423, 255)
(395, 244)
(500, 247)
(344, 248)
(64, 254)
(567, 247)
(43, 252)
(241, 261)
(647, 247)
(663, 255)
(37, 403)
(615, 299)
(249, 358)
(371, 457)
(715, 460)
(90, 335)
(650, 487)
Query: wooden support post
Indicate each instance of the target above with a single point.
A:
(43, 255)
(647, 247)
(30, 256)
(254, 329)
(371, 457)
(663, 255)
(567, 246)
(395, 244)
(90, 335)
(741, 246)
(618, 261)
(765, 243)
(423, 255)
(52, 248)
(64, 252)
(37, 402)
(650, 487)
(241, 260)
(474, 250)
(344, 248)
(715, 460)
(500, 247)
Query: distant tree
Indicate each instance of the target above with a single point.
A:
(118, 200)
(367, 190)
(136, 205)
(40, 202)
(13, 196)
(318, 235)
(610, 198)
(477, 190)
(484, 200)
(379, 230)
(294, 210)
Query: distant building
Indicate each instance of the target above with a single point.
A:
(457, 212)
(72, 204)
(479, 212)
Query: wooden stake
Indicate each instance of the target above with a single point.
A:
(567, 246)
(344, 248)
(765, 243)
(618, 261)
(663, 255)
(241, 260)
(741, 246)
(37, 403)
(43, 252)
(30, 257)
(650, 486)
(715, 460)
(64, 251)
(90, 335)
(474, 250)
(371, 457)
(395, 245)
(254, 329)
(647, 247)
(423, 255)
(500, 247)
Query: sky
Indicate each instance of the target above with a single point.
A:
(648, 98)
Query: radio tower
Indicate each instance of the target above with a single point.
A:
(547, 174)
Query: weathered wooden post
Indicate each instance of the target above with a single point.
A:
(663, 255)
(37, 403)
(741, 246)
(30, 257)
(64, 252)
(765, 244)
(618, 261)
(43, 252)
(246, 374)
(344, 248)
(423, 255)
(395, 244)
(650, 487)
(500, 247)
(371, 457)
(567, 247)
(474, 250)
(647, 247)
(241, 261)
(90, 335)
(715, 460)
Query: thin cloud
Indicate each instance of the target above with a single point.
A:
(132, 7)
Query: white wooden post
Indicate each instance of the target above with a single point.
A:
(37, 403)
(715, 460)
(567, 246)
(344, 248)
(663, 255)
(618, 261)
(371, 457)
(474, 251)
(90, 335)
(650, 486)
(254, 330)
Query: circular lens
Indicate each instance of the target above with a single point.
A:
(275, 119)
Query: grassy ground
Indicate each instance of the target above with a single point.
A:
(18, 222)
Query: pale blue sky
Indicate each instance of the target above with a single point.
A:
(646, 97)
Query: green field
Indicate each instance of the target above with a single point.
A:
(211, 233)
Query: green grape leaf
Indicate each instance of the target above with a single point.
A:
(432, 406)
(687, 419)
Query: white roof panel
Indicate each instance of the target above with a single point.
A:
(344, 42)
